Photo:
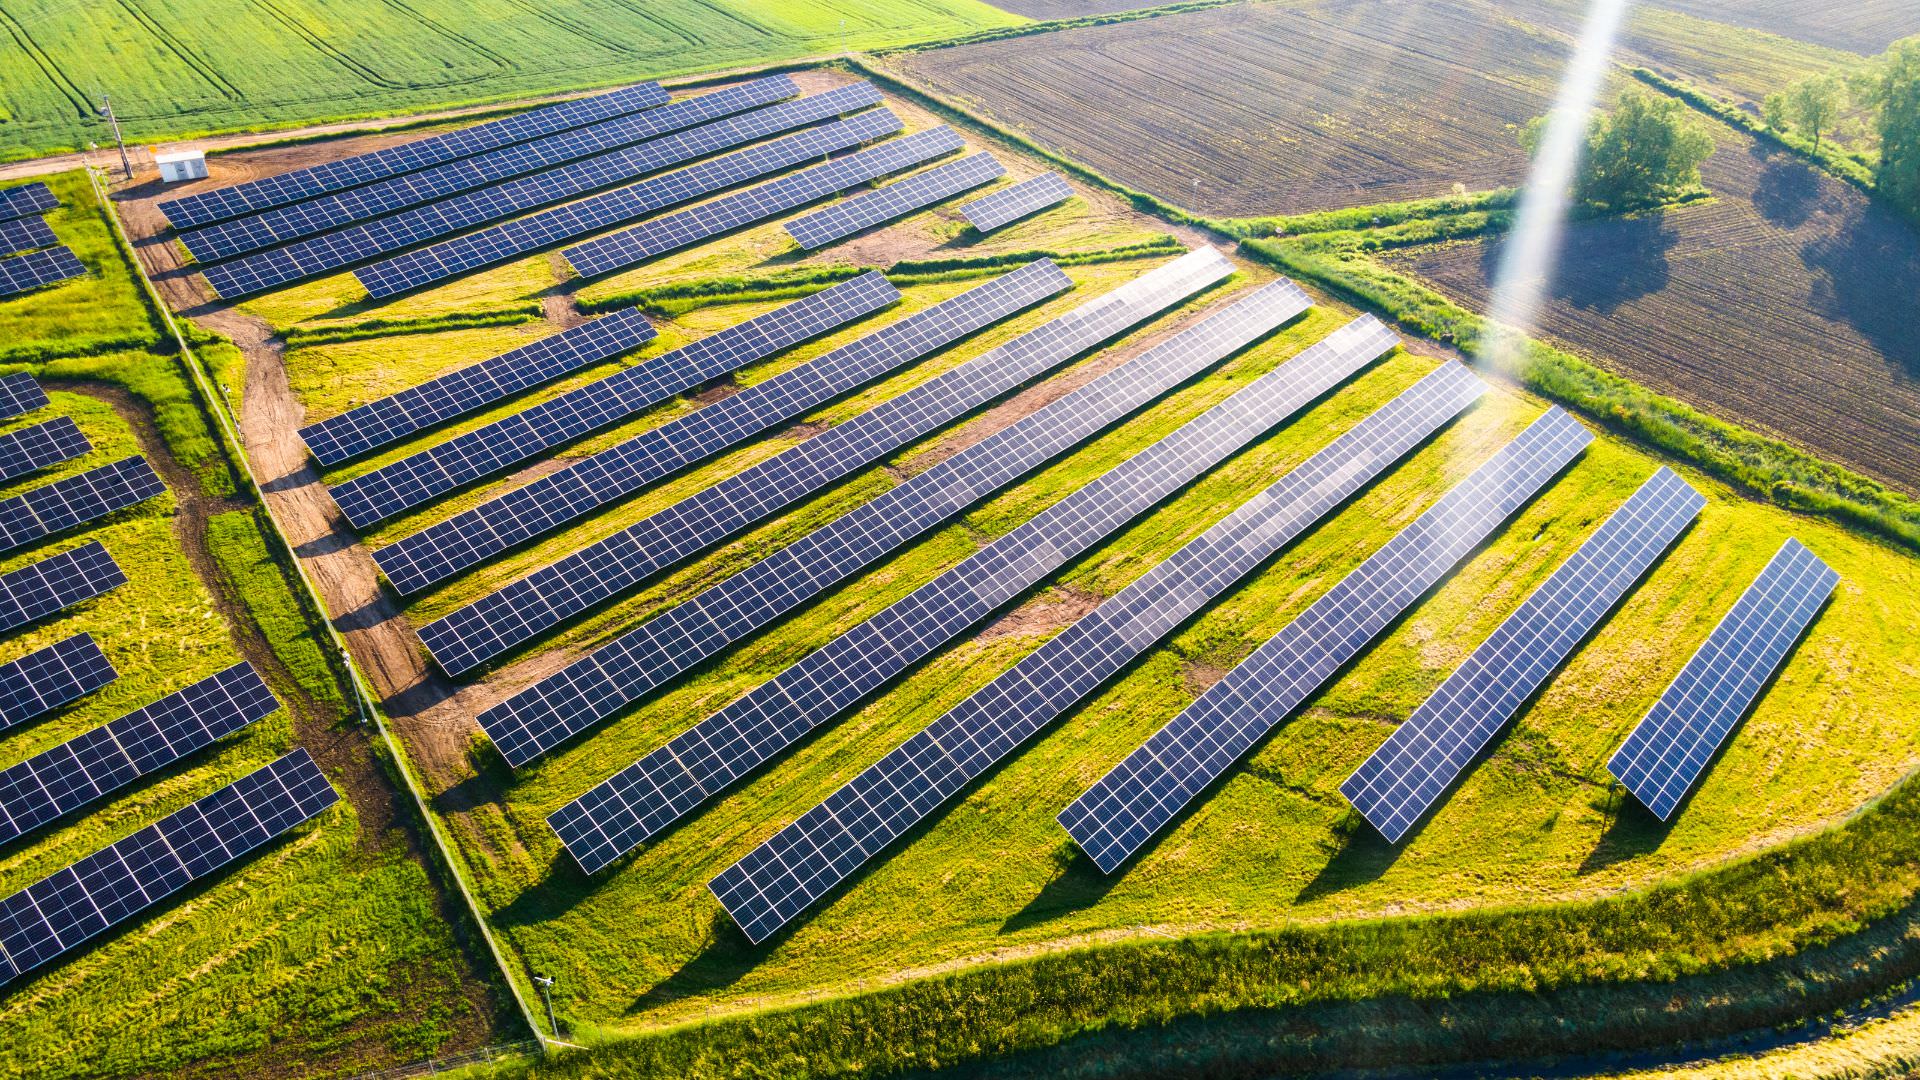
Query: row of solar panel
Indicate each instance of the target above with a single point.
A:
(25, 234)
(27, 200)
(23, 229)
(24, 273)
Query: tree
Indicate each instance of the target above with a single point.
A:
(1647, 150)
(1814, 104)
(1895, 94)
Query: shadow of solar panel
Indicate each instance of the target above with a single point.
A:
(1668, 750)
(39, 446)
(1423, 757)
(199, 209)
(20, 393)
(723, 215)
(422, 224)
(26, 200)
(48, 678)
(25, 234)
(443, 549)
(898, 199)
(22, 273)
(1132, 803)
(59, 781)
(55, 583)
(467, 389)
(536, 232)
(59, 913)
(289, 223)
(1010, 204)
(422, 477)
(76, 500)
(808, 858)
(600, 684)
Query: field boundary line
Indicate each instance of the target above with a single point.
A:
(369, 708)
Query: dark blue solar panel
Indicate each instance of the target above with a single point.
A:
(422, 477)
(895, 200)
(288, 223)
(55, 583)
(595, 687)
(26, 200)
(23, 273)
(441, 550)
(20, 393)
(1008, 204)
(708, 220)
(84, 768)
(467, 389)
(1668, 750)
(25, 234)
(59, 913)
(39, 446)
(421, 224)
(1424, 756)
(76, 500)
(1132, 803)
(810, 857)
(48, 678)
(226, 202)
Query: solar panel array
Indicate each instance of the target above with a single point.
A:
(594, 687)
(113, 755)
(26, 200)
(20, 273)
(409, 228)
(1395, 786)
(288, 223)
(808, 858)
(466, 539)
(902, 197)
(25, 234)
(254, 195)
(424, 476)
(661, 235)
(1667, 751)
(39, 446)
(39, 589)
(57, 914)
(476, 386)
(451, 258)
(703, 760)
(48, 678)
(1142, 794)
(76, 499)
(1008, 204)
(20, 393)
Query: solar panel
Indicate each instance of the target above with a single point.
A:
(39, 589)
(898, 199)
(26, 201)
(598, 685)
(48, 678)
(1394, 787)
(410, 228)
(536, 232)
(59, 913)
(21, 273)
(708, 220)
(75, 500)
(424, 476)
(20, 393)
(1132, 803)
(285, 224)
(702, 761)
(1668, 750)
(443, 549)
(487, 627)
(194, 210)
(113, 755)
(808, 858)
(25, 234)
(1009, 204)
(39, 446)
(475, 386)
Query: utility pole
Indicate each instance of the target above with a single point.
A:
(106, 110)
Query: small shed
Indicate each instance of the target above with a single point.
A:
(179, 165)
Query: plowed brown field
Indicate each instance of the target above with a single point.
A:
(1862, 26)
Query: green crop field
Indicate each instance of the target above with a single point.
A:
(182, 67)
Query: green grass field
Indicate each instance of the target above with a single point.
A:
(177, 68)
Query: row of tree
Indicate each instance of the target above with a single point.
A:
(1877, 104)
